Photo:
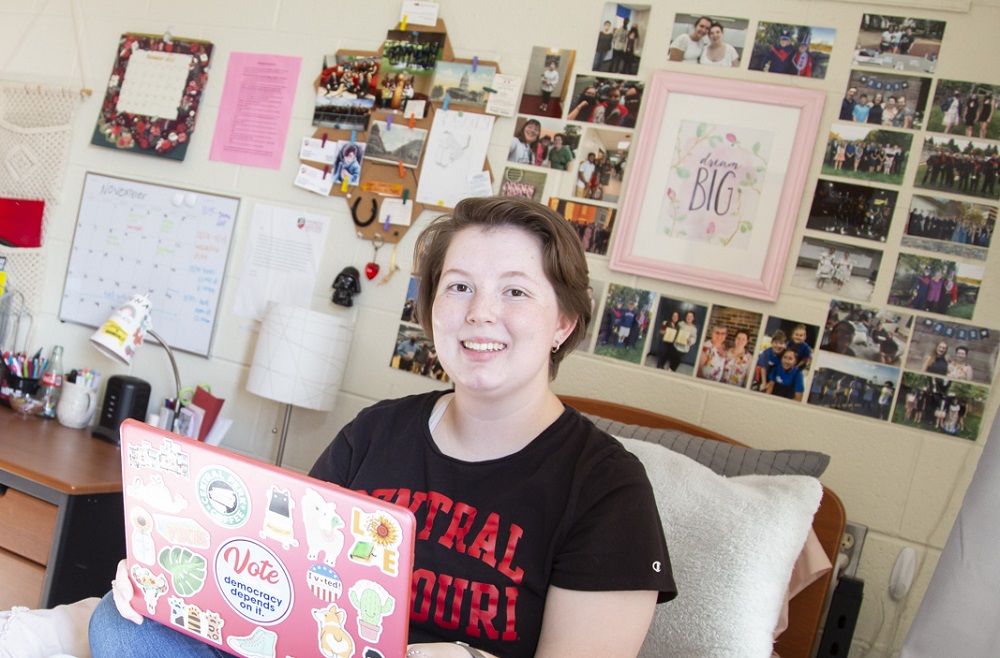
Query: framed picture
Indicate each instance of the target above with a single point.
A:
(716, 183)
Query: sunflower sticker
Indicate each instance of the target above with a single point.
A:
(376, 540)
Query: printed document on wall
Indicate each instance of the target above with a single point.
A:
(281, 259)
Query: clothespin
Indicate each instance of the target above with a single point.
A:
(406, 196)
(326, 171)
(475, 63)
(413, 121)
(444, 104)
(388, 122)
(385, 225)
(343, 185)
(490, 90)
(402, 170)
(323, 145)
(402, 26)
(354, 136)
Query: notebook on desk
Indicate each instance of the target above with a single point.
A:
(260, 561)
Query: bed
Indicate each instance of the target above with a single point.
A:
(753, 579)
(804, 609)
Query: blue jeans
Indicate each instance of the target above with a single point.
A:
(113, 636)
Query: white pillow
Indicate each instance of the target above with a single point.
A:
(62, 630)
(733, 543)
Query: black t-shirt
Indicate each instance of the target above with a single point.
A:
(572, 509)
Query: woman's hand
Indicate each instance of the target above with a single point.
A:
(121, 588)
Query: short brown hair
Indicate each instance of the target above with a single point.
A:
(563, 260)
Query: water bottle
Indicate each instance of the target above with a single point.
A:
(52, 380)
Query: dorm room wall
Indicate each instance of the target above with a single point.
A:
(905, 485)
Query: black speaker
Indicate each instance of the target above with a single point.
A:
(125, 397)
(842, 618)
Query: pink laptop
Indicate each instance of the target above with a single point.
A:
(260, 561)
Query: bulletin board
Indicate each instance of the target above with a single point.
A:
(169, 243)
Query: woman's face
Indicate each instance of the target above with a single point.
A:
(715, 34)
(961, 354)
(941, 349)
(702, 27)
(675, 317)
(719, 336)
(495, 314)
(741, 341)
(689, 317)
(531, 131)
(892, 102)
(878, 99)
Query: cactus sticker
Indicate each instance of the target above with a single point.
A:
(372, 603)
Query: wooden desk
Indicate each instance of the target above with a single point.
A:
(62, 531)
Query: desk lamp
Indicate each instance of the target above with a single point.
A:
(299, 360)
(118, 339)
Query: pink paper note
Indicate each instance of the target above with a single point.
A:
(255, 110)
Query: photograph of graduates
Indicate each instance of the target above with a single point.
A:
(858, 211)
(960, 166)
(891, 101)
(624, 323)
(863, 151)
(593, 223)
(676, 335)
(952, 350)
(345, 92)
(939, 405)
(726, 352)
(909, 45)
(948, 226)
(965, 108)
(866, 332)
(621, 38)
(546, 82)
(600, 164)
(836, 268)
(936, 286)
(708, 40)
(414, 353)
(607, 101)
(800, 50)
(524, 183)
(864, 388)
(782, 335)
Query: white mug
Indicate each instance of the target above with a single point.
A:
(76, 405)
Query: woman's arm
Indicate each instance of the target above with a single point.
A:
(568, 627)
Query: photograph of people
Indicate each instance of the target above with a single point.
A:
(689, 44)
(621, 38)
(799, 338)
(593, 223)
(674, 344)
(867, 332)
(899, 42)
(965, 108)
(866, 148)
(934, 404)
(415, 353)
(799, 50)
(524, 142)
(953, 350)
(858, 211)
(920, 283)
(959, 166)
(725, 356)
(855, 386)
(523, 183)
(786, 380)
(835, 268)
(602, 157)
(624, 324)
(608, 101)
(546, 82)
(348, 163)
(718, 52)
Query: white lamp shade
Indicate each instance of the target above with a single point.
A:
(124, 330)
(300, 357)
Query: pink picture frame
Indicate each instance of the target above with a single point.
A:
(715, 183)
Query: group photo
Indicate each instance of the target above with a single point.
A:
(550, 143)
(948, 226)
(863, 151)
(607, 101)
(593, 223)
(966, 109)
(600, 166)
(883, 99)
(621, 38)
(783, 336)
(837, 269)
(899, 42)
(708, 40)
(853, 386)
(954, 351)
(624, 323)
(727, 349)
(866, 332)
(858, 211)
(938, 405)
(937, 286)
(799, 50)
(959, 166)
(677, 331)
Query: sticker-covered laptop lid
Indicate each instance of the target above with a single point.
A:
(260, 561)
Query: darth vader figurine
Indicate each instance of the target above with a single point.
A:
(346, 285)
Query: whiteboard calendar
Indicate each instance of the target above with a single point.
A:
(168, 243)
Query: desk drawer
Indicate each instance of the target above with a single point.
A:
(26, 525)
(21, 583)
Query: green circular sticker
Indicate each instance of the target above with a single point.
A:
(223, 496)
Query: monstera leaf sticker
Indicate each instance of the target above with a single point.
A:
(187, 570)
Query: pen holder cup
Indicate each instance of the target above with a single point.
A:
(12, 385)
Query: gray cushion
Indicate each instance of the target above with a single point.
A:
(723, 458)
